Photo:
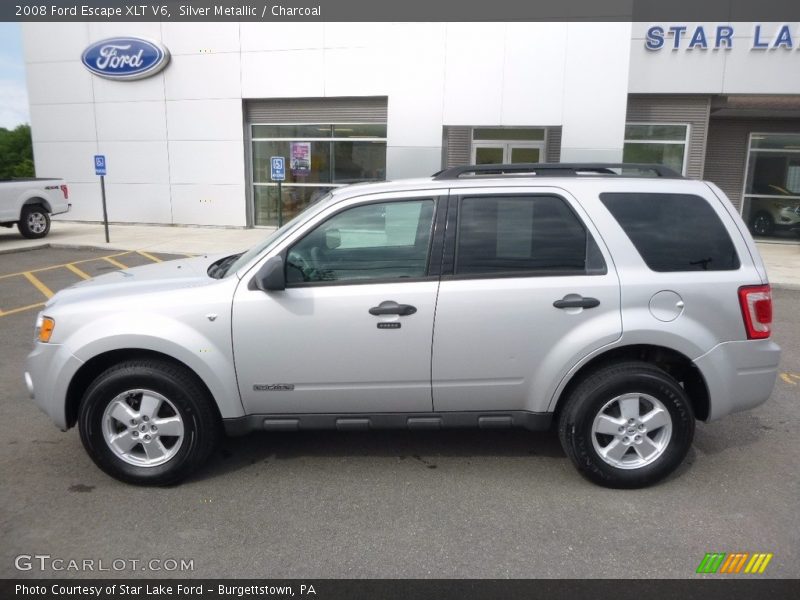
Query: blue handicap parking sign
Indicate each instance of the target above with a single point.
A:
(278, 168)
(99, 164)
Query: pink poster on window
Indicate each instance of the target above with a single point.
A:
(300, 158)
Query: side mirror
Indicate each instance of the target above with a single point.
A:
(271, 277)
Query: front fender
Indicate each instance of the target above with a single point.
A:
(205, 350)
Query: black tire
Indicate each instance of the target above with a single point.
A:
(34, 222)
(201, 423)
(588, 398)
(762, 224)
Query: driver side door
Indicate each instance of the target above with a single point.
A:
(352, 331)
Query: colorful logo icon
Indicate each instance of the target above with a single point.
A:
(735, 562)
(125, 58)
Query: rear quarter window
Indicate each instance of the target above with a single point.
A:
(673, 232)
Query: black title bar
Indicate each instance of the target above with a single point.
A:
(702, 588)
(401, 10)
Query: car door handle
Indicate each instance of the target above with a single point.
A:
(390, 307)
(579, 302)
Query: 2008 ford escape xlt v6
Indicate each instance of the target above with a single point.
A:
(618, 306)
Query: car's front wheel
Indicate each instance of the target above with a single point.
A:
(627, 425)
(148, 422)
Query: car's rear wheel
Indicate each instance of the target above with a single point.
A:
(148, 422)
(627, 425)
(34, 222)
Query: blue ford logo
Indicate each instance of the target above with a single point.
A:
(125, 58)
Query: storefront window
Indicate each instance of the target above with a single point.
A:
(318, 157)
(771, 204)
(656, 144)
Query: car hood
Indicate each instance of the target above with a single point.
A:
(158, 277)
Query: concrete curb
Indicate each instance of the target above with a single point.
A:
(24, 248)
(785, 286)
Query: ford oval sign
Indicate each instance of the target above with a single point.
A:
(125, 58)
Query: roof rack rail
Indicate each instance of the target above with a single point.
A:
(557, 170)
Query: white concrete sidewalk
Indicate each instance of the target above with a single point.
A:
(154, 238)
(782, 259)
(783, 263)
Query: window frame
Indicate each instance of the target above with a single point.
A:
(684, 143)
(506, 142)
(251, 139)
(434, 243)
(453, 232)
(745, 194)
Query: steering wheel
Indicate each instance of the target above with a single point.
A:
(298, 261)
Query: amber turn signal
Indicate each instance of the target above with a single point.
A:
(46, 330)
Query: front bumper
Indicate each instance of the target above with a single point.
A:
(739, 375)
(48, 370)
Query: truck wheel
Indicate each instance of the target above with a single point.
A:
(148, 422)
(34, 222)
(627, 425)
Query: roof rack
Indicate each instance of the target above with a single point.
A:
(557, 170)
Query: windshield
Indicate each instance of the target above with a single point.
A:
(243, 259)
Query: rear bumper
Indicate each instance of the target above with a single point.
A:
(63, 209)
(739, 375)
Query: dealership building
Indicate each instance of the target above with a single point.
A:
(188, 140)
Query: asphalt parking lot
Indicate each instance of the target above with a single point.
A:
(450, 504)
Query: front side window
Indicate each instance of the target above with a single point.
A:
(656, 144)
(523, 235)
(673, 232)
(380, 241)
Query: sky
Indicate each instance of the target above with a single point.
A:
(13, 92)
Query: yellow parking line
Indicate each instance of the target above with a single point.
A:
(149, 256)
(74, 262)
(787, 379)
(38, 284)
(77, 271)
(116, 263)
(4, 313)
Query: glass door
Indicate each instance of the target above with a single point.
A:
(488, 154)
(525, 153)
(497, 153)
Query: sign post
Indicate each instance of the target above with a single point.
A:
(279, 174)
(100, 169)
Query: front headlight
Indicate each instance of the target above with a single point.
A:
(44, 328)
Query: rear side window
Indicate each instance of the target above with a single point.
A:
(674, 232)
(523, 235)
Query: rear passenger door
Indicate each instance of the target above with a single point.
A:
(527, 290)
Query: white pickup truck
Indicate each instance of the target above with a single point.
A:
(30, 202)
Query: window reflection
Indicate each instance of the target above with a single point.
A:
(771, 204)
(318, 157)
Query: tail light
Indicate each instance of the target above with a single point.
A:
(65, 191)
(756, 303)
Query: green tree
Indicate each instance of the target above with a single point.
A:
(16, 152)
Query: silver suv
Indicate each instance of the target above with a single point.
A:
(616, 306)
